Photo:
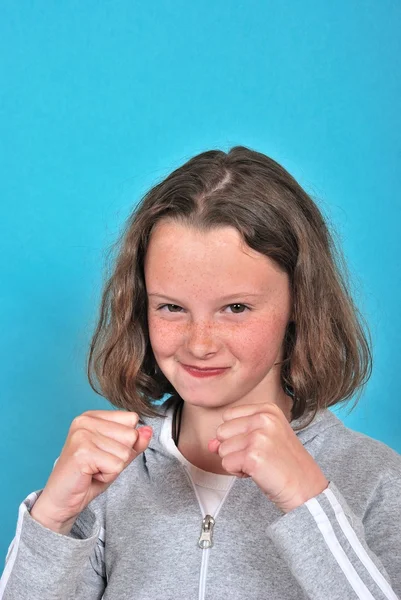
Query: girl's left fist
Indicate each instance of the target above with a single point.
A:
(257, 441)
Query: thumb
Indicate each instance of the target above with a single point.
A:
(213, 446)
(144, 437)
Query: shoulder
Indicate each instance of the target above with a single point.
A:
(360, 456)
(376, 454)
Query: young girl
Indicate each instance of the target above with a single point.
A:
(226, 296)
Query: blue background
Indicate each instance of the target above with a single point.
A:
(100, 100)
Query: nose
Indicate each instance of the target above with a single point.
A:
(202, 339)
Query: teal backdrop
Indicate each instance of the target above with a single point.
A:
(100, 100)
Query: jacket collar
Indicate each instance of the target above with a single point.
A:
(323, 420)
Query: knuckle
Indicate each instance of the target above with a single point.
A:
(225, 463)
(219, 432)
(81, 453)
(127, 454)
(252, 459)
(130, 417)
(132, 438)
(256, 437)
(263, 419)
(78, 421)
(80, 444)
(79, 437)
(121, 465)
(226, 414)
(222, 451)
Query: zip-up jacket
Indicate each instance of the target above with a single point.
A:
(148, 537)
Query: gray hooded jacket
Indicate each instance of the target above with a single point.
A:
(139, 539)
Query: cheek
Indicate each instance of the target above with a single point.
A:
(256, 342)
(164, 336)
(262, 341)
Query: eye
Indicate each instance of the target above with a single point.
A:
(163, 305)
(229, 305)
(240, 305)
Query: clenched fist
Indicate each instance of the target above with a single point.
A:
(100, 444)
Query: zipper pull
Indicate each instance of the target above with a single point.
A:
(205, 540)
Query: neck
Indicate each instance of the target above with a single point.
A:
(198, 427)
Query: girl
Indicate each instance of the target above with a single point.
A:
(227, 295)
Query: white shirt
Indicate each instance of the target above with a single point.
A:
(210, 488)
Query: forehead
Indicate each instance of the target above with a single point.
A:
(180, 255)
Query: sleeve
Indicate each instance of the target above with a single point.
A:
(44, 565)
(335, 554)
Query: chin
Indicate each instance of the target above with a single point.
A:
(199, 399)
(207, 400)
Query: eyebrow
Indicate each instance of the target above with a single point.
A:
(222, 299)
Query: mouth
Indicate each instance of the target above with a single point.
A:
(209, 372)
(203, 368)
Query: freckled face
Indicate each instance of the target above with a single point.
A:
(190, 323)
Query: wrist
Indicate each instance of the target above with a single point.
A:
(42, 517)
(299, 500)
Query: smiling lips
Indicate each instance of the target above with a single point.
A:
(204, 368)
(203, 372)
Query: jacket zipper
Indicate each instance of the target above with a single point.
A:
(205, 540)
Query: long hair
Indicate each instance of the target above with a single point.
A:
(327, 347)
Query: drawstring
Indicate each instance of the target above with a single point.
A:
(177, 422)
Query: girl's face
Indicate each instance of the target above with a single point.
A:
(215, 302)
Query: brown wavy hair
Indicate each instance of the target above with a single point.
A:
(327, 345)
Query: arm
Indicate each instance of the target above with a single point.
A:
(42, 563)
(335, 554)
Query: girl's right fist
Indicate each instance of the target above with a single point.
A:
(100, 444)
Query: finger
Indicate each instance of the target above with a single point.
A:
(213, 445)
(234, 412)
(121, 432)
(144, 437)
(111, 446)
(233, 464)
(243, 425)
(125, 417)
(237, 443)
